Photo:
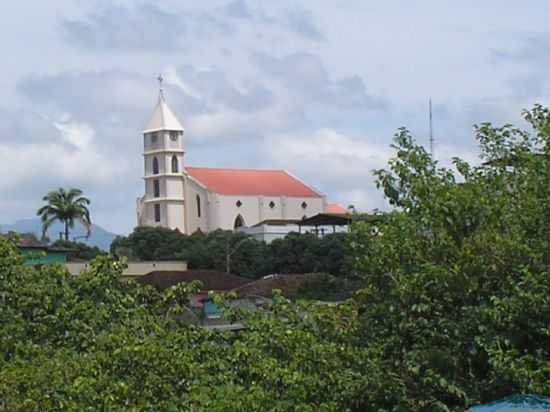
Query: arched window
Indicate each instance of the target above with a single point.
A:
(175, 166)
(155, 166)
(157, 213)
(156, 188)
(198, 206)
(239, 222)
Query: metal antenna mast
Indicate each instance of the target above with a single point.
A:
(431, 130)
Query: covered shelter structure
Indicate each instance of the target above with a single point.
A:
(329, 222)
(323, 221)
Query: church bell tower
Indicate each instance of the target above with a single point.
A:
(163, 203)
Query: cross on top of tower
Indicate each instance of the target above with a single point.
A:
(160, 80)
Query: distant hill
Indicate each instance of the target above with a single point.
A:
(99, 236)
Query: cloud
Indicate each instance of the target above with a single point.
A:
(144, 27)
(23, 127)
(337, 164)
(307, 74)
(302, 22)
(212, 88)
(70, 157)
(79, 162)
(238, 9)
(91, 94)
(535, 48)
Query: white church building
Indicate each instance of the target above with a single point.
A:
(201, 198)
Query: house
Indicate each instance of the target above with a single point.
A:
(36, 252)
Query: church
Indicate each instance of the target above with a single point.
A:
(202, 198)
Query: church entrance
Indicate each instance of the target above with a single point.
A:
(239, 222)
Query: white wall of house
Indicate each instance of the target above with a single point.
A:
(135, 269)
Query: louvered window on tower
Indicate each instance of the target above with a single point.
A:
(155, 166)
(175, 166)
(156, 188)
(157, 213)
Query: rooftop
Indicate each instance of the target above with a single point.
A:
(251, 182)
(163, 118)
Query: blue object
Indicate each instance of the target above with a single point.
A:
(211, 310)
(518, 403)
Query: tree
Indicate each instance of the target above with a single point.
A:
(79, 250)
(457, 280)
(454, 309)
(66, 206)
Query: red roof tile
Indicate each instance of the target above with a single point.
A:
(248, 182)
(336, 208)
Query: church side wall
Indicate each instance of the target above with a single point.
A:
(255, 209)
(228, 210)
(293, 207)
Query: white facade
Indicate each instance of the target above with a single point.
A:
(176, 199)
(163, 202)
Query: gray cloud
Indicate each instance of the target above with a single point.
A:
(110, 101)
(238, 9)
(145, 27)
(23, 127)
(302, 22)
(531, 49)
(216, 89)
(306, 72)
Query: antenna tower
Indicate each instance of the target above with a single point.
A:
(431, 130)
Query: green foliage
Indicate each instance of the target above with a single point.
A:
(328, 288)
(92, 342)
(79, 250)
(296, 253)
(67, 206)
(454, 310)
(457, 280)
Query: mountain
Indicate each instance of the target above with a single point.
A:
(99, 237)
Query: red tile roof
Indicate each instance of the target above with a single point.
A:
(336, 208)
(249, 182)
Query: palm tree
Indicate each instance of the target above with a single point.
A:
(65, 206)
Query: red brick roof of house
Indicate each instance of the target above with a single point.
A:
(249, 182)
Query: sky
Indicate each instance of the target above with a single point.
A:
(316, 87)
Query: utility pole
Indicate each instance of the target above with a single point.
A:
(230, 251)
